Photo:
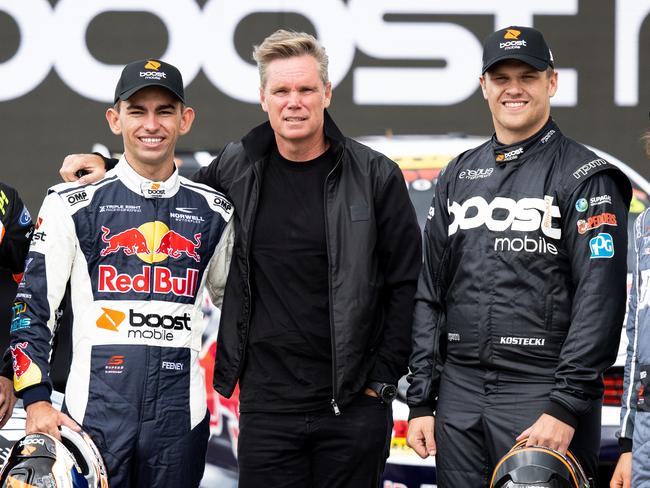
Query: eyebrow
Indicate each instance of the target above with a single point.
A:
(159, 107)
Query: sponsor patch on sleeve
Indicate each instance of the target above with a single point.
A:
(602, 246)
(596, 221)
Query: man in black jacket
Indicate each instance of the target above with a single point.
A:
(521, 299)
(315, 323)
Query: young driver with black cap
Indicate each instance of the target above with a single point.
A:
(522, 295)
(139, 247)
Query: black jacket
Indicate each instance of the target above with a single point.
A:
(374, 253)
(524, 270)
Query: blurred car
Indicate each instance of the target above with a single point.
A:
(421, 159)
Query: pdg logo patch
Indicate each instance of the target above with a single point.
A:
(602, 246)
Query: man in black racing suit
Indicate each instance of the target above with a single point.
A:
(520, 303)
(16, 229)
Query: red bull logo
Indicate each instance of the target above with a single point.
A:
(111, 281)
(132, 241)
(21, 361)
(26, 372)
(173, 244)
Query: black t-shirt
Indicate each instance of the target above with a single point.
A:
(289, 355)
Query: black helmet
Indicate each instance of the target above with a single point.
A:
(40, 460)
(538, 467)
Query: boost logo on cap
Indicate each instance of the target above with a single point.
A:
(523, 43)
(149, 72)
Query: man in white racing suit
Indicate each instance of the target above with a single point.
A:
(138, 248)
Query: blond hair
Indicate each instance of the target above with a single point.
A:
(284, 44)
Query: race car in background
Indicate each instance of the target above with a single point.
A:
(421, 159)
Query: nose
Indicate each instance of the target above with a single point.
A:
(294, 99)
(151, 122)
(514, 87)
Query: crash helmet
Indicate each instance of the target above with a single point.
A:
(538, 467)
(40, 460)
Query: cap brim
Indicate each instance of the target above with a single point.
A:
(127, 94)
(538, 64)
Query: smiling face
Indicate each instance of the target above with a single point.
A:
(519, 98)
(294, 97)
(150, 122)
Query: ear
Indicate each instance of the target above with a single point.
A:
(113, 119)
(187, 118)
(263, 100)
(552, 84)
(328, 94)
(481, 80)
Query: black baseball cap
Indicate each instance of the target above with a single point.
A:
(149, 72)
(523, 43)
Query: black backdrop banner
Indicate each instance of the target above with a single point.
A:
(401, 67)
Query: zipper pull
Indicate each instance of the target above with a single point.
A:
(335, 407)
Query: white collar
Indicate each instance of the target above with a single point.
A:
(144, 186)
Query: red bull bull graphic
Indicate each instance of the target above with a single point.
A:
(173, 244)
(132, 241)
(152, 242)
(26, 373)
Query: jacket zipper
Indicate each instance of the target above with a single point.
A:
(333, 403)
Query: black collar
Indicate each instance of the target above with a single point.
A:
(512, 152)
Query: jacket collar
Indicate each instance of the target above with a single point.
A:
(260, 141)
(513, 152)
(143, 186)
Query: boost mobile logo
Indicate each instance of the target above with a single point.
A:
(151, 64)
(525, 215)
(512, 34)
(513, 42)
(510, 155)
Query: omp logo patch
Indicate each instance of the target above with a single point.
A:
(110, 319)
(512, 34)
(151, 64)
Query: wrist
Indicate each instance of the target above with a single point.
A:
(386, 391)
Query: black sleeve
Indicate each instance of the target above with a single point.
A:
(399, 247)
(15, 231)
(428, 319)
(109, 163)
(595, 239)
(209, 175)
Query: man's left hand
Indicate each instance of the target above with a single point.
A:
(549, 432)
(7, 400)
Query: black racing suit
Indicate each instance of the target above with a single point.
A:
(520, 303)
(16, 229)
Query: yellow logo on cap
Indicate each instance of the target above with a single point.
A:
(512, 34)
(154, 65)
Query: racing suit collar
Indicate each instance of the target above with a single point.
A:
(143, 186)
(504, 154)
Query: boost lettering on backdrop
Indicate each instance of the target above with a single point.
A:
(55, 38)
